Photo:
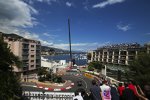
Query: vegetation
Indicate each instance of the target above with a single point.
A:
(89, 56)
(139, 70)
(95, 65)
(45, 75)
(10, 88)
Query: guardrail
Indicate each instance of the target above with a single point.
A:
(112, 80)
(30, 95)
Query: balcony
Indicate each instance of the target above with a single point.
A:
(25, 58)
(25, 53)
(122, 62)
(123, 57)
(132, 53)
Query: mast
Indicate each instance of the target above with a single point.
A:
(70, 41)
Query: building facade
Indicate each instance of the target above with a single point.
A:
(28, 51)
(120, 54)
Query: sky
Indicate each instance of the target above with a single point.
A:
(94, 23)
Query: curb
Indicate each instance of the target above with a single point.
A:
(51, 89)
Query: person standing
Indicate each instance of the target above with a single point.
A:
(96, 93)
(77, 96)
(120, 90)
(127, 93)
(114, 92)
(106, 91)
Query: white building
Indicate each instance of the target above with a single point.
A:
(56, 66)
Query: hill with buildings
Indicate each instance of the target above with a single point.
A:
(45, 50)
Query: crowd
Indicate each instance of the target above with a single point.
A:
(105, 90)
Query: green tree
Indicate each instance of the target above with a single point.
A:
(89, 56)
(95, 65)
(139, 70)
(42, 72)
(10, 88)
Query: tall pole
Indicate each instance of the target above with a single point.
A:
(70, 41)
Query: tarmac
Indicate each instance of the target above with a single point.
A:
(49, 86)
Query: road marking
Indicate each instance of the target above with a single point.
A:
(57, 89)
(46, 88)
(69, 87)
(72, 83)
(34, 86)
(40, 87)
(84, 81)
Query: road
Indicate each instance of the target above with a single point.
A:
(86, 83)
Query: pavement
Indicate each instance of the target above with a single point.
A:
(49, 86)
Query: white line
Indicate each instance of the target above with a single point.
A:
(40, 87)
(72, 83)
(34, 86)
(84, 81)
(68, 87)
(46, 88)
(57, 89)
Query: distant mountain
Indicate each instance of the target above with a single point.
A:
(52, 50)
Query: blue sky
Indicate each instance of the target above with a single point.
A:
(94, 23)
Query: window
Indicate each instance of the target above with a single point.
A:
(32, 66)
(32, 55)
(32, 46)
(32, 60)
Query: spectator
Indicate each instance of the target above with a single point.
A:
(95, 92)
(77, 96)
(120, 90)
(106, 93)
(114, 93)
(127, 93)
(133, 87)
(147, 90)
(83, 94)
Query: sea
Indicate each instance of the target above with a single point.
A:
(80, 59)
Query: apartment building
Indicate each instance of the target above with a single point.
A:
(119, 54)
(28, 51)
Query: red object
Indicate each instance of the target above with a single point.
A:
(132, 87)
(50, 89)
(62, 89)
(120, 90)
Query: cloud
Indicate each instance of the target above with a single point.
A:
(16, 13)
(80, 46)
(86, 4)
(35, 36)
(50, 36)
(68, 4)
(46, 34)
(47, 1)
(106, 3)
(123, 27)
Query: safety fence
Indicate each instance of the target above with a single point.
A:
(30, 95)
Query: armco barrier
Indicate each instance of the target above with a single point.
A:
(88, 75)
(112, 80)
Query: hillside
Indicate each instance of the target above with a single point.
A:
(52, 50)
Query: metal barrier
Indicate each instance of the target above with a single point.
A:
(30, 95)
